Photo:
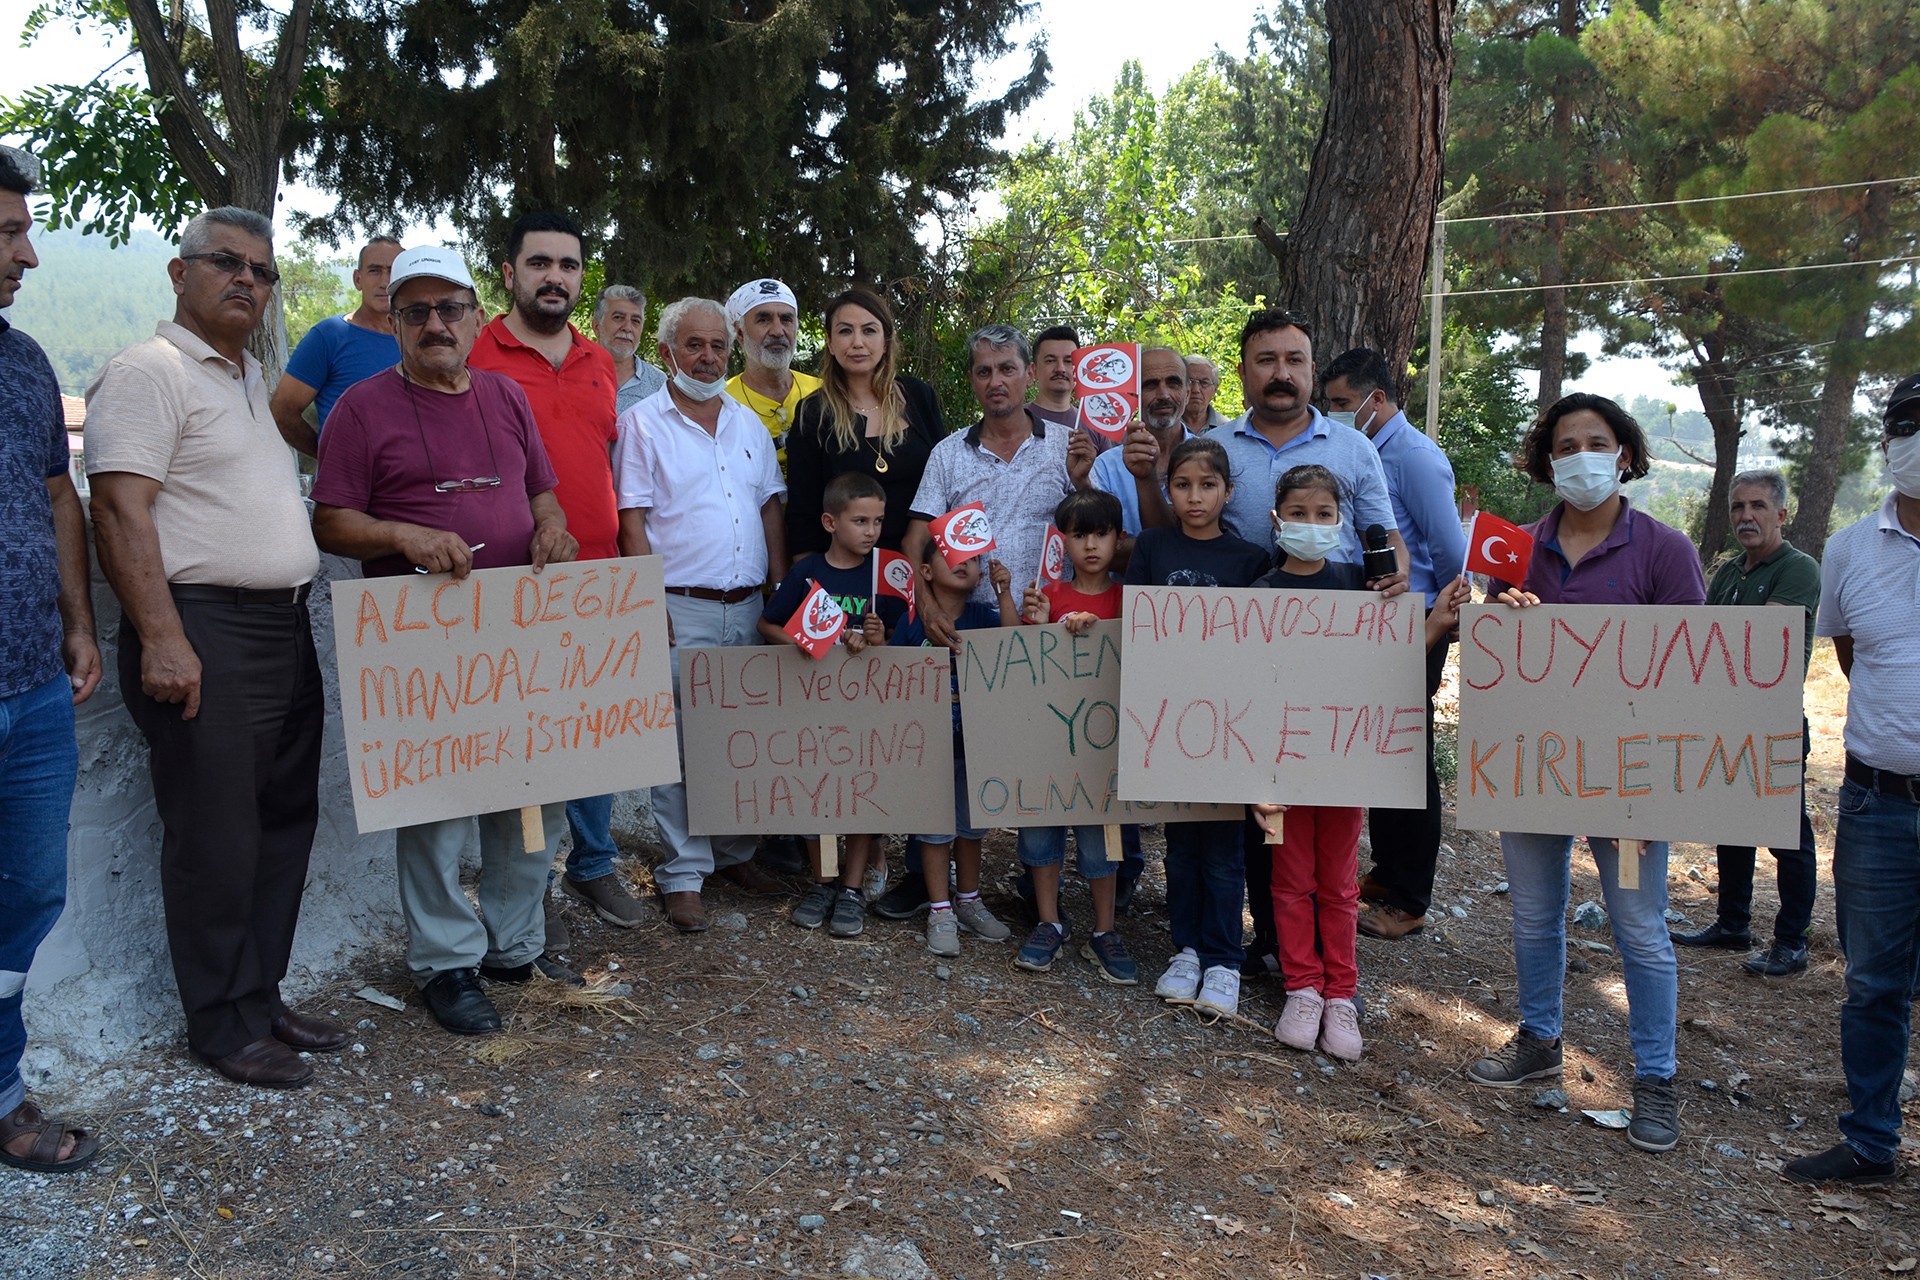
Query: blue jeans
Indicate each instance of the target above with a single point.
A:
(39, 761)
(689, 859)
(591, 821)
(1876, 884)
(1539, 871)
(1206, 890)
(1047, 847)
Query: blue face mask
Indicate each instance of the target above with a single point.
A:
(1309, 541)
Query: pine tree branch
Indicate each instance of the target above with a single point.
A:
(195, 143)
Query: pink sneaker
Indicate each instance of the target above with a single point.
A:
(1299, 1022)
(1340, 1031)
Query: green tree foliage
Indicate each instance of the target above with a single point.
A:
(313, 288)
(90, 297)
(705, 143)
(1484, 411)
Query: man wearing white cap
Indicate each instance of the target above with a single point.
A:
(439, 465)
(766, 316)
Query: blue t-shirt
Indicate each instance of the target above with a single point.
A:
(33, 450)
(1167, 557)
(334, 355)
(976, 616)
(851, 589)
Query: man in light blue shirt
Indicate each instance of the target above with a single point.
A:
(1361, 390)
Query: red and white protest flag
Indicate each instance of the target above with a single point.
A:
(1053, 556)
(892, 576)
(962, 534)
(816, 625)
(1106, 382)
(1498, 548)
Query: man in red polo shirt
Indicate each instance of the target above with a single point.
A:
(571, 384)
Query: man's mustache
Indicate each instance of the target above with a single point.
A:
(438, 340)
(552, 290)
(1279, 386)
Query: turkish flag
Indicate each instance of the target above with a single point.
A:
(816, 625)
(1106, 382)
(892, 576)
(1053, 556)
(1498, 548)
(962, 534)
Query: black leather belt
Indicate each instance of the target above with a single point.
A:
(1905, 785)
(734, 596)
(240, 596)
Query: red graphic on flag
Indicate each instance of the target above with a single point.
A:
(892, 576)
(962, 534)
(1106, 382)
(816, 625)
(1498, 548)
(1053, 556)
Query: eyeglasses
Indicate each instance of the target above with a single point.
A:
(1900, 428)
(450, 313)
(227, 264)
(474, 485)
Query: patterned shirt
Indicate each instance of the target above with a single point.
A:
(33, 450)
(1019, 493)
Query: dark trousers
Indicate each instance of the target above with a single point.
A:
(1406, 842)
(1205, 890)
(237, 788)
(1795, 873)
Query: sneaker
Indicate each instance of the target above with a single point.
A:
(1781, 960)
(1656, 1114)
(849, 915)
(1841, 1163)
(1383, 921)
(1110, 956)
(608, 899)
(1219, 992)
(1340, 1031)
(559, 938)
(904, 901)
(1299, 1025)
(1716, 936)
(943, 933)
(976, 919)
(875, 883)
(1523, 1058)
(1123, 894)
(1042, 945)
(813, 910)
(1181, 981)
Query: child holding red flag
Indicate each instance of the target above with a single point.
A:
(853, 507)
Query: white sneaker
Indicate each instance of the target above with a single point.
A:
(943, 933)
(875, 884)
(1181, 981)
(1219, 992)
(1299, 1024)
(1340, 1031)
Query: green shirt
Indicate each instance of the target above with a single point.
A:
(1788, 576)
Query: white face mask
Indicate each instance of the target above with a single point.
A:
(1309, 541)
(693, 388)
(1586, 480)
(1903, 465)
(1346, 419)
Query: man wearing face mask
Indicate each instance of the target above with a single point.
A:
(1869, 600)
(765, 318)
(700, 489)
(1359, 390)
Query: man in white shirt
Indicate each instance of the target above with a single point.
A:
(699, 487)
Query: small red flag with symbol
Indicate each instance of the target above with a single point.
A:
(1053, 556)
(1106, 382)
(816, 625)
(892, 576)
(962, 534)
(1498, 548)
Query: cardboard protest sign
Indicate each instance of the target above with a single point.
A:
(963, 533)
(1041, 712)
(817, 624)
(504, 689)
(1106, 383)
(1645, 722)
(1312, 697)
(856, 744)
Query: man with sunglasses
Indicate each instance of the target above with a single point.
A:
(437, 465)
(203, 537)
(1869, 601)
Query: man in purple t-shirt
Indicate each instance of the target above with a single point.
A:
(437, 465)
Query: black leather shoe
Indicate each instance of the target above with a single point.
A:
(513, 973)
(459, 1005)
(1840, 1163)
(1778, 961)
(265, 1064)
(315, 1035)
(1716, 936)
(545, 966)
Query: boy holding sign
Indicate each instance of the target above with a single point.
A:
(853, 508)
(1089, 523)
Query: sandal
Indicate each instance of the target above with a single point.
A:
(26, 1118)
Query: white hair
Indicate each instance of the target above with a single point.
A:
(677, 312)
(617, 293)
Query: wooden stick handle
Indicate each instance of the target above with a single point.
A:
(829, 856)
(1114, 852)
(1630, 851)
(1276, 826)
(533, 832)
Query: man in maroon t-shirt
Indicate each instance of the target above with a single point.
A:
(572, 386)
(438, 465)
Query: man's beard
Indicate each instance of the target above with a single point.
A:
(540, 321)
(778, 360)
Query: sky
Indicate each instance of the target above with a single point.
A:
(1085, 45)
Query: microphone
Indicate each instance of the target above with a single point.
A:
(1379, 561)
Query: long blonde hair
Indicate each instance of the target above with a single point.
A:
(842, 420)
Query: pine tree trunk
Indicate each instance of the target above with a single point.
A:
(1719, 398)
(1355, 257)
(1819, 479)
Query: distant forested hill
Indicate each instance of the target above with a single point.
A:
(87, 300)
